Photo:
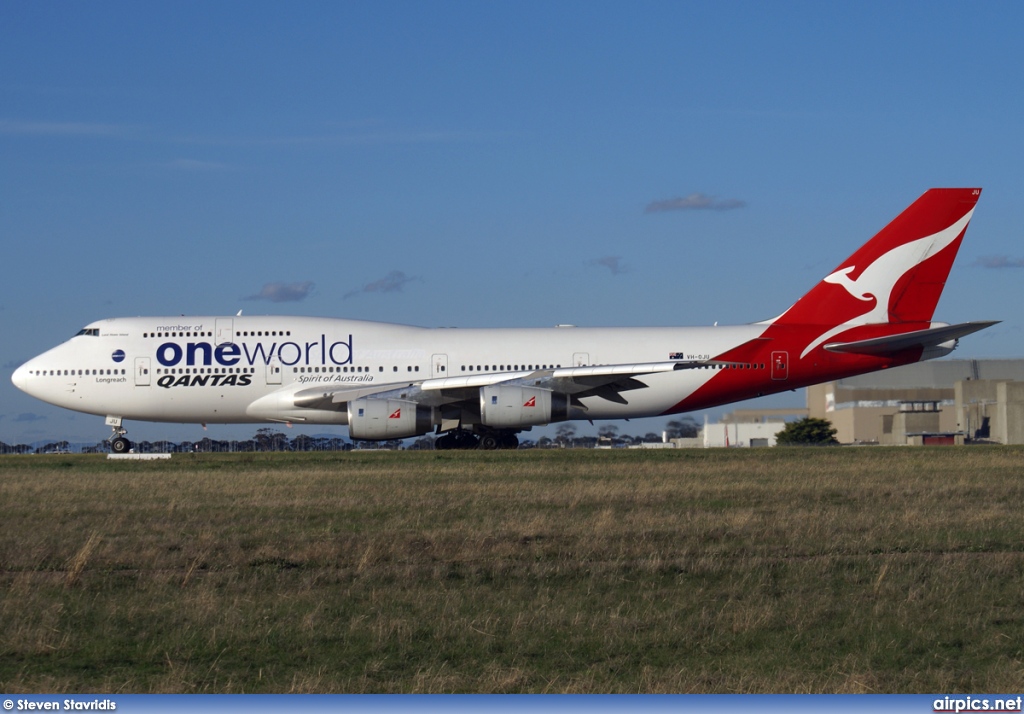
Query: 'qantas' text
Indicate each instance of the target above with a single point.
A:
(205, 380)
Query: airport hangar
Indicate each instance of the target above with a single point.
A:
(934, 402)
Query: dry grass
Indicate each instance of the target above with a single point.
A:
(845, 570)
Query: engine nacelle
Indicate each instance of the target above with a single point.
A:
(370, 418)
(512, 406)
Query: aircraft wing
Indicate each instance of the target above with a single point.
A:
(931, 337)
(336, 397)
(606, 381)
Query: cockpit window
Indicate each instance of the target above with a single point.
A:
(90, 331)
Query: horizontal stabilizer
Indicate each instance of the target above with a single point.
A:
(931, 337)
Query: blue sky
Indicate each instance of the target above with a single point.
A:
(487, 164)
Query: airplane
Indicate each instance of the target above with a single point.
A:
(480, 388)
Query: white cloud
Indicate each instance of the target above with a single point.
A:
(283, 292)
(393, 282)
(56, 128)
(998, 261)
(612, 262)
(694, 202)
(27, 417)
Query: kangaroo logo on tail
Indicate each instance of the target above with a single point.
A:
(896, 278)
(842, 278)
(880, 278)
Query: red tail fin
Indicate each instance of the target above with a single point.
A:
(898, 275)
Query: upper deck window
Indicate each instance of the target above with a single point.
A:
(91, 331)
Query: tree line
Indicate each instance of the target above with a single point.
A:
(268, 439)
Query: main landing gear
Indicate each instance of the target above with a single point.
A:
(462, 439)
(118, 443)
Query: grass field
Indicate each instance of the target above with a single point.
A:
(768, 570)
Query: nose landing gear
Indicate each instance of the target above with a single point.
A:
(118, 443)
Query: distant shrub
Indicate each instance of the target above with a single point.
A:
(808, 431)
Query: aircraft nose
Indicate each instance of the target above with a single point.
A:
(20, 378)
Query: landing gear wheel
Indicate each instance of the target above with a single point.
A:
(460, 439)
(509, 441)
(465, 440)
(489, 442)
(118, 443)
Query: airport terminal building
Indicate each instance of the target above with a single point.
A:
(935, 402)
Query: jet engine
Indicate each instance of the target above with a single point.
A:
(510, 407)
(370, 418)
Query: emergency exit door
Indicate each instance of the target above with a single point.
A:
(142, 377)
(780, 365)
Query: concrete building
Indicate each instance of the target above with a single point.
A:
(977, 399)
(733, 433)
(749, 416)
(991, 409)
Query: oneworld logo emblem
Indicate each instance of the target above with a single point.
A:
(320, 351)
(118, 356)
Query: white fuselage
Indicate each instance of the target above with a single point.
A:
(243, 369)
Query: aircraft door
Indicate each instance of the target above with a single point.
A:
(225, 331)
(439, 366)
(780, 365)
(142, 376)
(580, 359)
(273, 372)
